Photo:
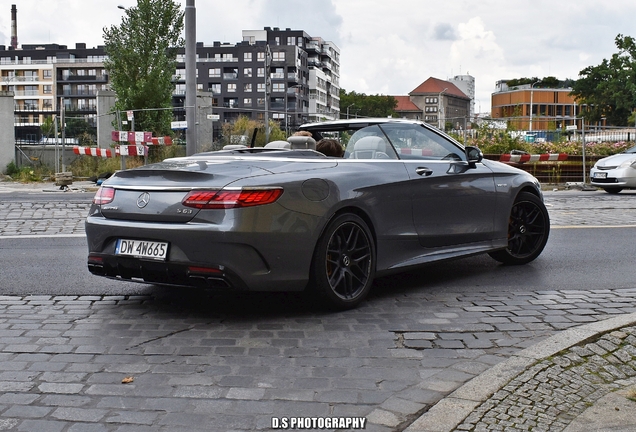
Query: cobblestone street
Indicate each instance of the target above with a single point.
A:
(203, 361)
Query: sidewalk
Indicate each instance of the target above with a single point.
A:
(582, 379)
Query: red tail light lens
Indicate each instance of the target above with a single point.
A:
(227, 199)
(104, 195)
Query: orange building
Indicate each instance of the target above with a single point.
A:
(529, 108)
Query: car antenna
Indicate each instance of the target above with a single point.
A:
(253, 138)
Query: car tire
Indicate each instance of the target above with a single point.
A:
(528, 231)
(344, 263)
(612, 190)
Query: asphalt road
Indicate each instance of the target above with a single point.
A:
(574, 258)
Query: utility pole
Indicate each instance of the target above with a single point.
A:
(191, 77)
(268, 57)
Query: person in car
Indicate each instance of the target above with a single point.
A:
(330, 147)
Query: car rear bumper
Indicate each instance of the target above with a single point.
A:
(200, 255)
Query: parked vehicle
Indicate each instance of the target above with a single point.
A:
(286, 217)
(615, 173)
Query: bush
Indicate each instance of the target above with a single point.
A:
(27, 174)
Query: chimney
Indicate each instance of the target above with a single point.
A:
(14, 27)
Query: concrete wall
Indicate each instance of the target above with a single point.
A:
(7, 130)
(44, 154)
(105, 103)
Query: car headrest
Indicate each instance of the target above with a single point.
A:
(370, 143)
(302, 142)
(278, 144)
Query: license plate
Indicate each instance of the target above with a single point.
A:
(600, 175)
(142, 249)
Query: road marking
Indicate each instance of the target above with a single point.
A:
(590, 226)
(32, 236)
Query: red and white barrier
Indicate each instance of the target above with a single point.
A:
(93, 151)
(139, 137)
(123, 150)
(131, 150)
(533, 158)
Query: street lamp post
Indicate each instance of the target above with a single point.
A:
(531, 96)
(348, 110)
(287, 87)
(440, 110)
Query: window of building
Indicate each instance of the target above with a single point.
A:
(47, 73)
(230, 73)
(291, 40)
(260, 87)
(247, 87)
(279, 87)
(277, 40)
(247, 56)
(247, 102)
(278, 56)
(260, 102)
(260, 72)
(199, 87)
(247, 72)
(260, 56)
(213, 72)
(47, 104)
(214, 88)
(231, 88)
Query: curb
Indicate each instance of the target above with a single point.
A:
(451, 411)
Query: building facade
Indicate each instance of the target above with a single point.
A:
(466, 83)
(284, 75)
(438, 102)
(528, 108)
(44, 78)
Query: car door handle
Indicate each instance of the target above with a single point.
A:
(423, 171)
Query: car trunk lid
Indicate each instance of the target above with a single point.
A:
(156, 192)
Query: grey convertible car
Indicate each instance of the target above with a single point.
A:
(286, 217)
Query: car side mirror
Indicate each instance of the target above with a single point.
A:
(473, 155)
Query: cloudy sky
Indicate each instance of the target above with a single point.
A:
(387, 47)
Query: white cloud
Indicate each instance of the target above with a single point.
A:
(386, 47)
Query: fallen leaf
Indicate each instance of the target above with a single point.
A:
(127, 380)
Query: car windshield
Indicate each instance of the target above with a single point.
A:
(401, 141)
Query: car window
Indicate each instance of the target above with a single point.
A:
(418, 142)
(369, 143)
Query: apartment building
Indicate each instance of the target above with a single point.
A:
(45, 77)
(526, 107)
(286, 75)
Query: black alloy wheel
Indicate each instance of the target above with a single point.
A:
(344, 262)
(528, 230)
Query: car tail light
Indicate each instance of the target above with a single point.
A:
(227, 199)
(104, 195)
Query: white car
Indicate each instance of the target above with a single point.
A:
(615, 173)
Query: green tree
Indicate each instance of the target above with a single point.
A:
(141, 61)
(366, 106)
(609, 89)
